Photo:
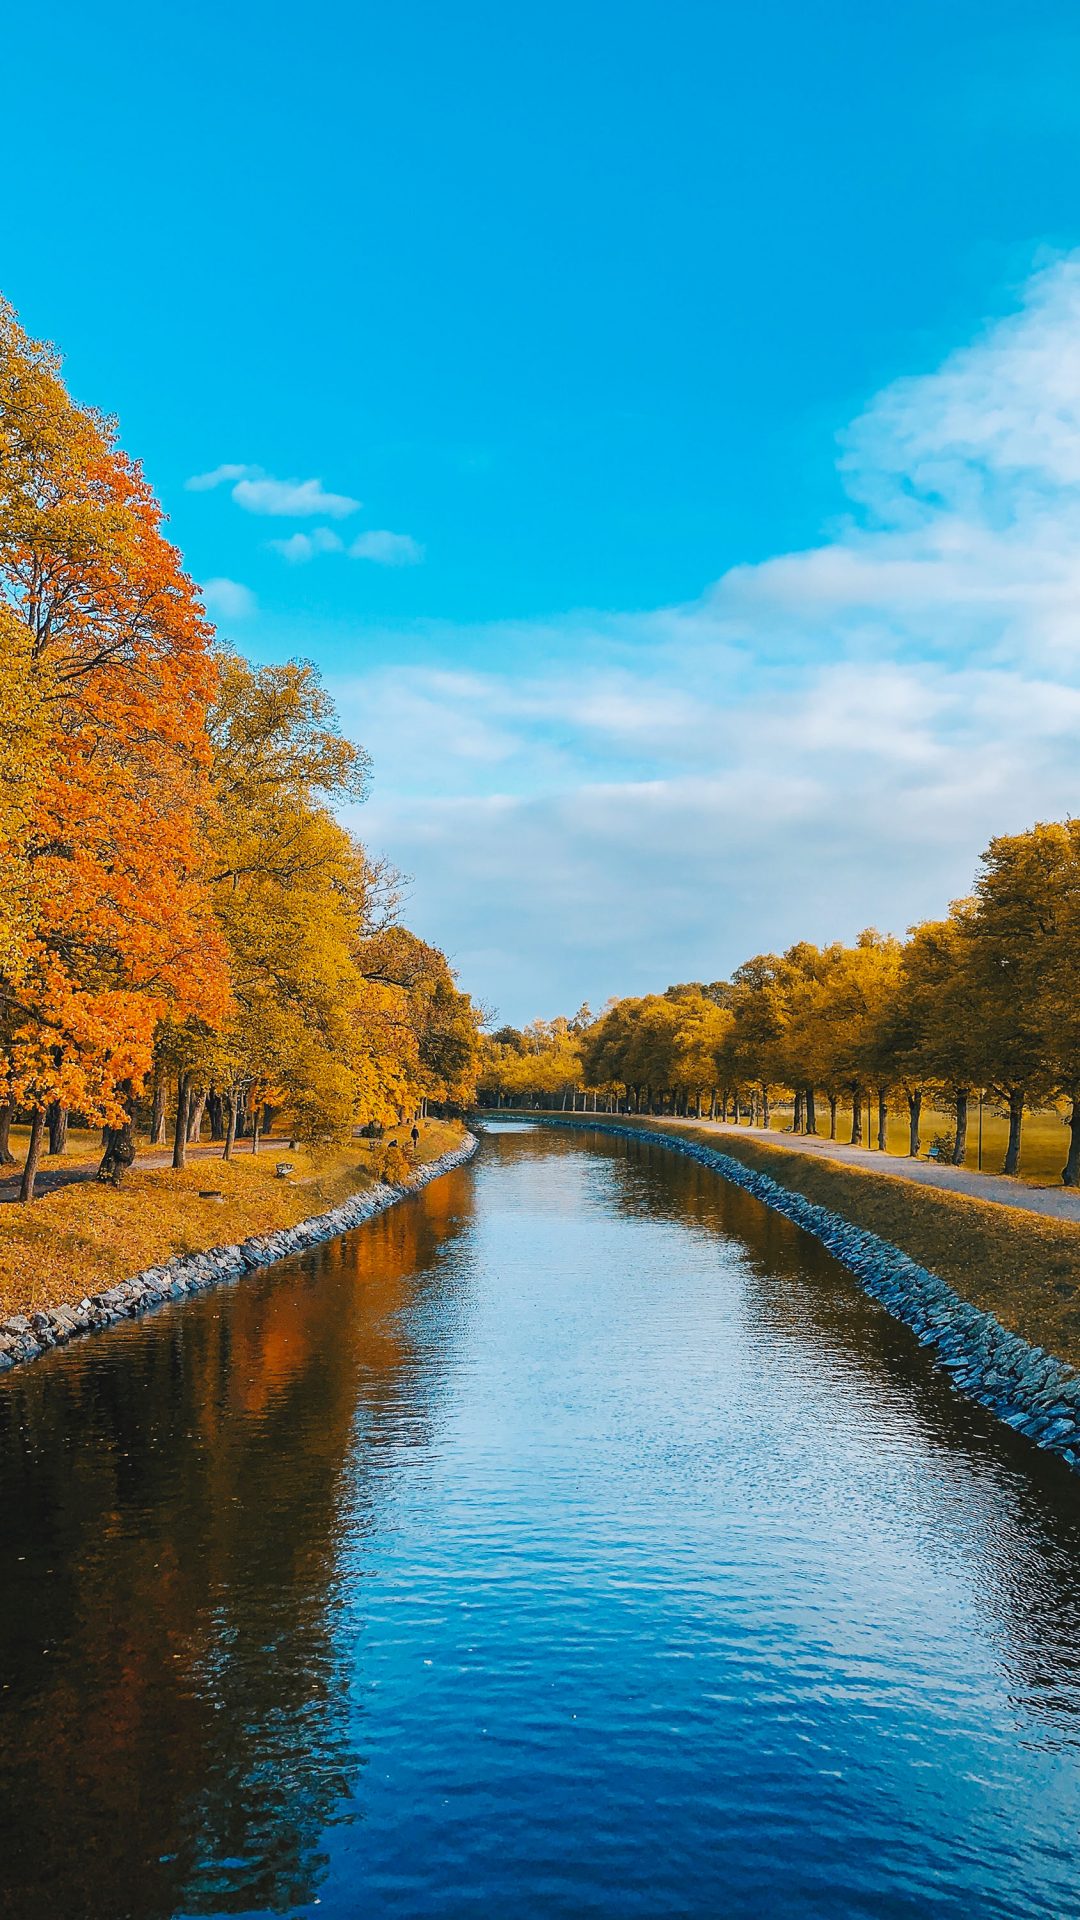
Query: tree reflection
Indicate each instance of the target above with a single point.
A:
(175, 1731)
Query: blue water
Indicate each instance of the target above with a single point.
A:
(574, 1540)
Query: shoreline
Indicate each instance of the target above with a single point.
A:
(1027, 1388)
(25, 1337)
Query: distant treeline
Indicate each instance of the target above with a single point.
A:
(982, 1002)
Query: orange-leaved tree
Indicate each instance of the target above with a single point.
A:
(112, 923)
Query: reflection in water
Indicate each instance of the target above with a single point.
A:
(574, 1539)
(175, 1727)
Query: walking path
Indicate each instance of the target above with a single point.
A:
(56, 1173)
(1058, 1203)
(53, 1174)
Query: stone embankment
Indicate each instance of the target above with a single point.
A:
(1024, 1386)
(26, 1336)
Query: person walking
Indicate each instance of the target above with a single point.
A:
(415, 1136)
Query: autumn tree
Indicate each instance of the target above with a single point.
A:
(340, 1012)
(108, 674)
(436, 1020)
(1055, 877)
(1018, 961)
(291, 890)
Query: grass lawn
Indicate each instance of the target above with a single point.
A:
(1043, 1151)
(85, 1237)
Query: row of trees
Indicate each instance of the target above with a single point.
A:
(182, 917)
(983, 1001)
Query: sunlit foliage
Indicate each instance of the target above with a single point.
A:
(178, 901)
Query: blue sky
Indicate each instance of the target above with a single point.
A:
(658, 421)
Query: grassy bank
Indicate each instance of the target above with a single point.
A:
(1045, 1138)
(1020, 1267)
(85, 1237)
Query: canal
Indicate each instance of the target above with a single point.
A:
(575, 1539)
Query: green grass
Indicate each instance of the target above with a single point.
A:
(1045, 1138)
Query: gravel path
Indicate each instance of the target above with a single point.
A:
(1058, 1203)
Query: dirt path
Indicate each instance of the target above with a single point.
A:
(54, 1174)
(1058, 1203)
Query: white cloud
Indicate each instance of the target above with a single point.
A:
(387, 549)
(824, 740)
(204, 482)
(300, 547)
(292, 499)
(259, 492)
(228, 599)
(965, 487)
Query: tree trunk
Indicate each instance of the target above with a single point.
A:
(765, 1108)
(254, 1126)
(119, 1154)
(195, 1118)
(230, 1127)
(959, 1149)
(7, 1158)
(832, 1116)
(33, 1154)
(57, 1119)
(914, 1102)
(1071, 1175)
(797, 1120)
(216, 1108)
(856, 1118)
(882, 1120)
(1016, 1121)
(811, 1116)
(157, 1110)
(723, 1105)
(183, 1108)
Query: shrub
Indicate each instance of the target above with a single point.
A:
(393, 1165)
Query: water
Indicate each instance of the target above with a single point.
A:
(574, 1540)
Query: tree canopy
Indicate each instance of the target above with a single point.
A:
(178, 901)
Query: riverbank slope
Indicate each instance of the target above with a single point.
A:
(85, 1238)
